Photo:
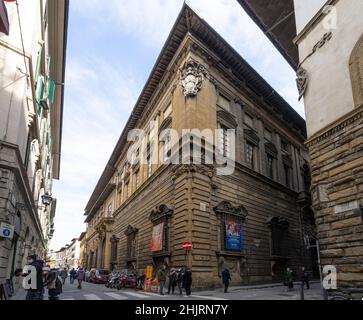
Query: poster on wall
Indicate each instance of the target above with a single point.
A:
(157, 237)
(233, 240)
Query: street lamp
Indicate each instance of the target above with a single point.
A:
(46, 199)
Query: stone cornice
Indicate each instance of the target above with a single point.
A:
(335, 127)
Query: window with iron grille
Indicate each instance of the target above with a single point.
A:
(270, 165)
(286, 173)
(249, 155)
(137, 179)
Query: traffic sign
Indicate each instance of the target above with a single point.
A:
(6, 230)
(187, 245)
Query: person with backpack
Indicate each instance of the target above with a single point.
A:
(80, 276)
(53, 283)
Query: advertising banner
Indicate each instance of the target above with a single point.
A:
(157, 238)
(233, 240)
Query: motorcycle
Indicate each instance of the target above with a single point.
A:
(127, 281)
(113, 280)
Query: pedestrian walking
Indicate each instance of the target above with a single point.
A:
(305, 278)
(226, 278)
(187, 281)
(64, 275)
(161, 276)
(36, 291)
(179, 280)
(72, 275)
(289, 279)
(53, 283)
(80, 276)
(172, 281)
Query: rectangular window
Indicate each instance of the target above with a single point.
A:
(249, 155)
(284, 146)
(224, 144)
(269, 164)
(286, 175)
(268, 135)
(166, 148)
(127, 190)
(137, 179)
(149, 166)
(248, 120)
(223, 102)
(167, 111)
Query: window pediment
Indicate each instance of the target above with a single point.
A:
(277, 222)
(226, 119)
(270, 147)
(160, 212)
(225, 207)
(130, 230)
(166, 124)
(251, 136)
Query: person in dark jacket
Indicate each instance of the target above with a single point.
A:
(305, 278)
(187, 281)
(36, 290)
(179, 281)
(72, 275)
(172, 281)
(161, 276)
(226, 278)
(64, 275)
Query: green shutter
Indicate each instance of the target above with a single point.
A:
(51, 91)
(40, 91)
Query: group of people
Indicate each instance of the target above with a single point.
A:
(46, 277)
(289, 278)
(181, 278)
(79, 275)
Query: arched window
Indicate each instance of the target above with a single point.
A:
(356, 72)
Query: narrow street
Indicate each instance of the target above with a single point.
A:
(92, 291)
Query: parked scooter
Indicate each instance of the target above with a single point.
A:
(112, 282)
(127, 281)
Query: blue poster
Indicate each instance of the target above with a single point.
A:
(233, 239)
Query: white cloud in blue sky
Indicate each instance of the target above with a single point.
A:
(112, 47)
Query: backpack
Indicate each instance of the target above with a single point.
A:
(58, 286)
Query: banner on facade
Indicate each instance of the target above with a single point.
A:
(149, 271)
(233, 239)
(157, 237)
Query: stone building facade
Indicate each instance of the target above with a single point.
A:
(32, 62)
(251, 219)
(323, 41)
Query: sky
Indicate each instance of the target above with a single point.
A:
(112, 47)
